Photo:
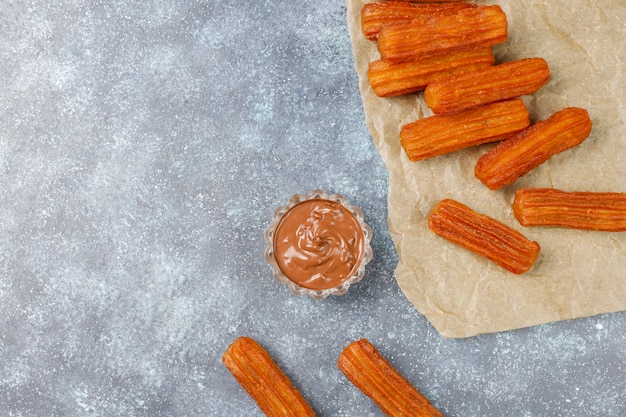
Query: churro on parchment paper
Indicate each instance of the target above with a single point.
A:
(578, 273)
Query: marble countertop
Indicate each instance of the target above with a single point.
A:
(143, 149)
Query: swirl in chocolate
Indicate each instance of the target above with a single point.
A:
(318, 244)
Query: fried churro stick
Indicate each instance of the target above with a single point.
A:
(442, 134)
(487, 85)
(483, 235)
(442, 33)
(517, 156)
(432, 1)
(370, 372)
(389, 80)
(578, 210)
(266, 383)
(382, 13)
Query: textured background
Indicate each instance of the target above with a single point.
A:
(143, 149)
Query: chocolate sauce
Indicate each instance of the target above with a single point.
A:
(318, 244)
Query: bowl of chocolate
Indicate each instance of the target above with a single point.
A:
(318, 244)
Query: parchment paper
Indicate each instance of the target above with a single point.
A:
(578, 273)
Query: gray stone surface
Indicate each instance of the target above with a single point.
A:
(143, 148)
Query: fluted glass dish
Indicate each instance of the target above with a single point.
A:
(294, 287)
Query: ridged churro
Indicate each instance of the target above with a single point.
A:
(377, 14)
(517, 156)
(389, 80)
(600, 211)
(483, 235)
(442, 33)
(370, 372)
(487, 85)
(266, 383)
(442, 134)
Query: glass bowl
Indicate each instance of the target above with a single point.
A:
(356, 273)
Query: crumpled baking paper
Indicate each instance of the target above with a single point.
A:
(578, 273)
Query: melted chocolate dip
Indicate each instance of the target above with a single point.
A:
(318, 244)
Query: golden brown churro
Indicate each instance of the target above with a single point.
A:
(442, 33)
(370, 372)
(377, 14)
(266, 383)
(602, 211)
(483, 235)
(389, 80)
(517, 156)
(442, 134)
(487, 85)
